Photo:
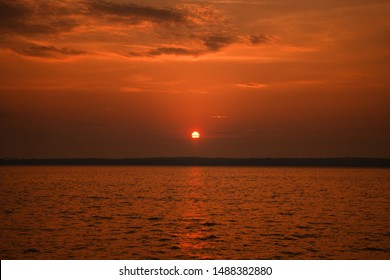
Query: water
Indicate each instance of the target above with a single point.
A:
(194, 213)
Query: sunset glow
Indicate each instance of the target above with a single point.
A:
(114, 78)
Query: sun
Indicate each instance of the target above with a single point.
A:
(195, 135)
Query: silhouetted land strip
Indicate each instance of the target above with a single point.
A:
(202, 161)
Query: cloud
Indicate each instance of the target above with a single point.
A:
(12, 9)
(212, 44)
(251, 85)
(258, 39)
(217, 42)
(22, 22)
(174, 51)
(136, 13)
(25, 18)
(47, 51)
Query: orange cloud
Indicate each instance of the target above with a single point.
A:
(251, 85)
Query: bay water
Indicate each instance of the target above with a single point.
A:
(138, 212)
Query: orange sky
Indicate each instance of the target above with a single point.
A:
(267, 78)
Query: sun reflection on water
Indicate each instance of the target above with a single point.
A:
(194, 230)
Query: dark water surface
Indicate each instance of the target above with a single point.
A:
(194, 213)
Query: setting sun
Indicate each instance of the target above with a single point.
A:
(195, 135)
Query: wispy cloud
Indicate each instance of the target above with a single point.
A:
(132, 13)
(251, 85)
(217, 42)
(174, 51)
(259, 39)
(48, 51)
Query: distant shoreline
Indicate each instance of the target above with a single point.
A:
(203, 161)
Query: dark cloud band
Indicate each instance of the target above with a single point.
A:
(47, 51)
(136, 13)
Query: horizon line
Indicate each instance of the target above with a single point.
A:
(206, 161)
